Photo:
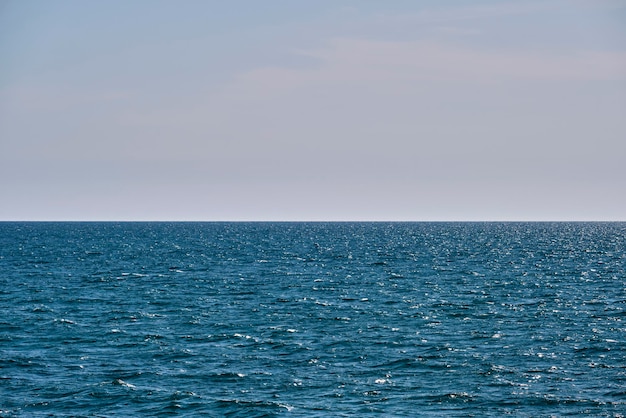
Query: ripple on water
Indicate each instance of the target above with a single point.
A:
(312, 319)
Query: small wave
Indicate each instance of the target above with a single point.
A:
(251, 406)
(120, 382)
(404, 363)
(460, 397)
(227, 376)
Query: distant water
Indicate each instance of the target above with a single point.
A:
(312, 319)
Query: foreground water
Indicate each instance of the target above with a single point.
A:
(312, 319)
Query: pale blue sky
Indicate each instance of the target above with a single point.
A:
(313, 110)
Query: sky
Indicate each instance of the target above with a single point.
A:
(400, 110)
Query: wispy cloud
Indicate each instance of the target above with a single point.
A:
(471, 12)
(395, 63)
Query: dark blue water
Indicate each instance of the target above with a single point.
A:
(312, 319)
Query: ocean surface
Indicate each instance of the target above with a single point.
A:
(312, 319)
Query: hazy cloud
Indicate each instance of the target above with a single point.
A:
(433, 112)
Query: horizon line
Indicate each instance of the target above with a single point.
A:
(308, 221)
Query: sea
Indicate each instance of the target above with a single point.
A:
(312, 319)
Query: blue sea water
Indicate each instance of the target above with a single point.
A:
(312, 319)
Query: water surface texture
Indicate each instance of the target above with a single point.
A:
(312, 319)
